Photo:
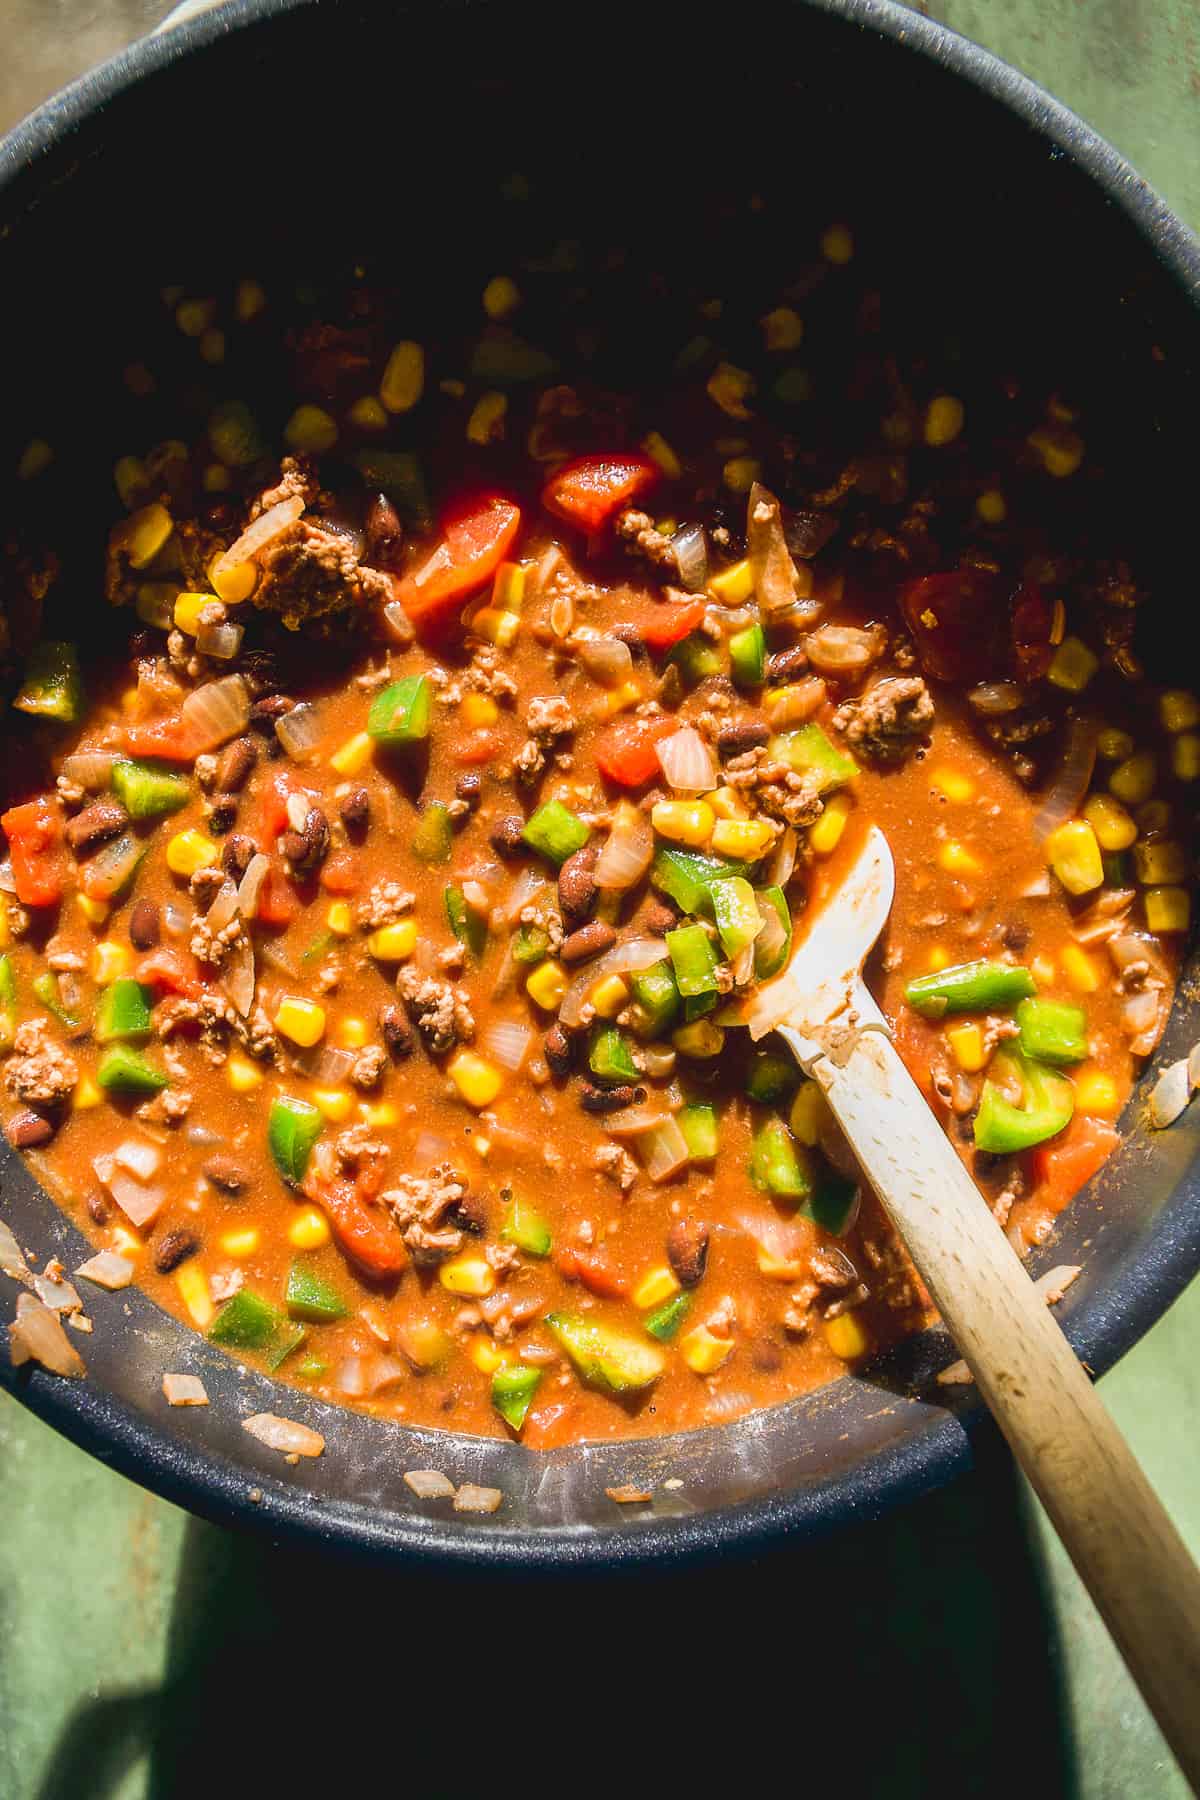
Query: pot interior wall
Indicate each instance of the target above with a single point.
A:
(319, 136)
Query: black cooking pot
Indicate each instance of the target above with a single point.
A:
(279, 134)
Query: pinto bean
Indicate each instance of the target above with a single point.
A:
(589, 940)
(354, 810)
(783, 664)
(226, 1174)
(396, 1029)
(741, 735)
(102, 819)
(687, 1250)
(236, 854)
(235, 763)
(26, 1130)
(505, 836)
(145, 925)
(384, 535)
(607, 1100)
(558, 1050)
(174, 1249)
(469, 787)
(577, 885)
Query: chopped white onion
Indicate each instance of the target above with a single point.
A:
(783, 859)
(845, 649)
(1064, 796)
(12, 1257)
(627, 852)
(241, 976)
(399, 625)
(138, 1158)
(175, 918)
(1055, 1282)
(113, 865)
(783, 1240)
(793, 704)
(299, 731)
(265, 529)
(217, 711)
(778, 584)
(994, 698)
(687, 762)
(473, 1499)
(429, 1484)
(428, 1148)
(663, 1149)
(1105, 918)
(36, 1335)
(1170, 1095)
(348, 1377)
(528, 885)
(107, 1270)
(691, 556)
(59, 1296)
(507, 1041)
(622, 959)
(334, 1065)
(1193, 1063)
(632, 1121)
(1130, 947)
(432, 566)
(222, 641)
(284, 1435)
(141, 1205)
(608, 660)
(383, 1371)
(250, 885)
(7, 881)
(91, 769)
(224, 906)
(184, 1390)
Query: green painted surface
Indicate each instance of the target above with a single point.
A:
(949, 1651)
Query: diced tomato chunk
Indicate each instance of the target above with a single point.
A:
(273, 806)
(278, 901)
(366, 1233)
(475, 540)
(669, 622)
(549, 1424)
(477, 747)
(589, 491)
(35, 847)
(339, 873)
(170, 740)
(625, 753)
(595, 1271)
(167, 969)
(1064, 1164)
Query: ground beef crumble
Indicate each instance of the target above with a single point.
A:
(419, 1204)
(890, 720)
(39, 1071)
(386, 902)
(440, 1011)
(637, 531)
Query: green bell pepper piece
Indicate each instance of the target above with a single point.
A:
(771, 1077)
(610, 1058)
(834, 1204)
(693, 959)
(748, 656)
(686, 876)
(1053, 1031)
(655, 991)
(780, 1165)
(234, 434)
(8, 1001)
(773, 945)
(1049, 1102)
(317, 948)
(809, 751)
(53, 686)
(527, 1230)
(513, 1388)
(311, 1297)
(969, 987)
(555, 832)
(433, 839)
(400, 712)
(126, 1071)
(288, 1339)
(697, 657)
(698, 1123)
(665, 1320)
(148, 792)
(122, 1011)
(292, 1129)
(246, 1322)
(311, 1369)
(46, 989)
(468, 926)
(735, 909)
(530, 945)
(604, 1356)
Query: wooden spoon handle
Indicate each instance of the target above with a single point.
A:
(1128, 1553)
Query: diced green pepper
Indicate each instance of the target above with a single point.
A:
(1116, 868)
(317, 948)
(748, 656)
(433, 839)
(126, 1071)
(665, 1320)
(610, 1058)
(735, 909)
(46, 989)
(809, 751)
(513, 1388)
(1053, 1031)
(148, 792)
(400, 712)
(780, 1165)
(53, 686)
(693, 959)
(468, 926)
(834, 1204)
(311, 1297)
(555, 832)
(1049, 1102)
(527, 1230)
(969, 987)
(287, 1341)
(686, 876)
(771, 1077)
(8, 1001)
(655, 991)
(122, 1011)
(311, 1369)
(531, 944)
(292, 1129)
(245, 1322)
(697, 657)
(697, 1006)
(604, 1356)
(234, 434)
(504, 360)
(773, 945)
(698, 1123)
(398, 475)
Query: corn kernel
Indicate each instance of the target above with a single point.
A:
(700, 1039)
(1167, 908)
(486, 423)
(825, 836)
(1072, 665)
(354, 754)
(303, 1021)
(241, 1243)
(501, 296)
(609, 997)
(368, 414)
(1074, 855)
(1160, 860)
(188, 851)
(109, 962)
(781, 1268)
(1114, 745)
(248, 301)
(94, 911)
(945, 417)
(310, 431)
(547, 985)
(131, 478)
(86, 1095)
(837, 245)
(729, 387)
(1079, 971)
(953, 784)
(486, 1355)
(1059, 450)
(233, 583)
(809, 1115)
(1114, 828)
(143, 534)
(378, 1114)
(1096, 1092)
(34, 459)
(339, 919)
(727, 803)
(309, 1230)
(403, 378)
(478, 711)
(125, 1241)
(477, 1080)
(352, 1032)
(735, 584)
(783, 328)
(212, 346)
(992, 507)
(966, 1045)
(392, 943)
(683, 821)
(499, 628)
(1153, 818)
(656, 1285)
(704, 1353)
(740, 473)
(508, 588)
(1044, 971)
(658, 450)
(1133, 780)
(1179, 710)
(747, 839)
(847, 1336)
(938, 958)
(193, 317)
(956, 859)
(243, 1075)
(470, 1275)
(188, 607)
(192, 1284)
(1185, 756)
(335, 1104)
(620, 699)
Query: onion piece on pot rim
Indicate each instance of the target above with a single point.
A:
(1170, 1095)
(36, 1335)
(284, 1435)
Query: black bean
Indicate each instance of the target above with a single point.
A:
(354, 809)
(236, 854)
(783, 664)
(577, 885)
(264, 712)
(687, 1250)
(174, 1249)
(26, 1130)
(742, 734)
(222, 814)
(505, 836)
(145, 925)
(469, 1214)
(235, 763)
(606, 1100)
(589, 940)
(102, 819)
(559, 1050)
(384, 535)
(396, 1029)
(469, 787)
(226, 1174)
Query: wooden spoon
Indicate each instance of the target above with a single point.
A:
(1128, 1553)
